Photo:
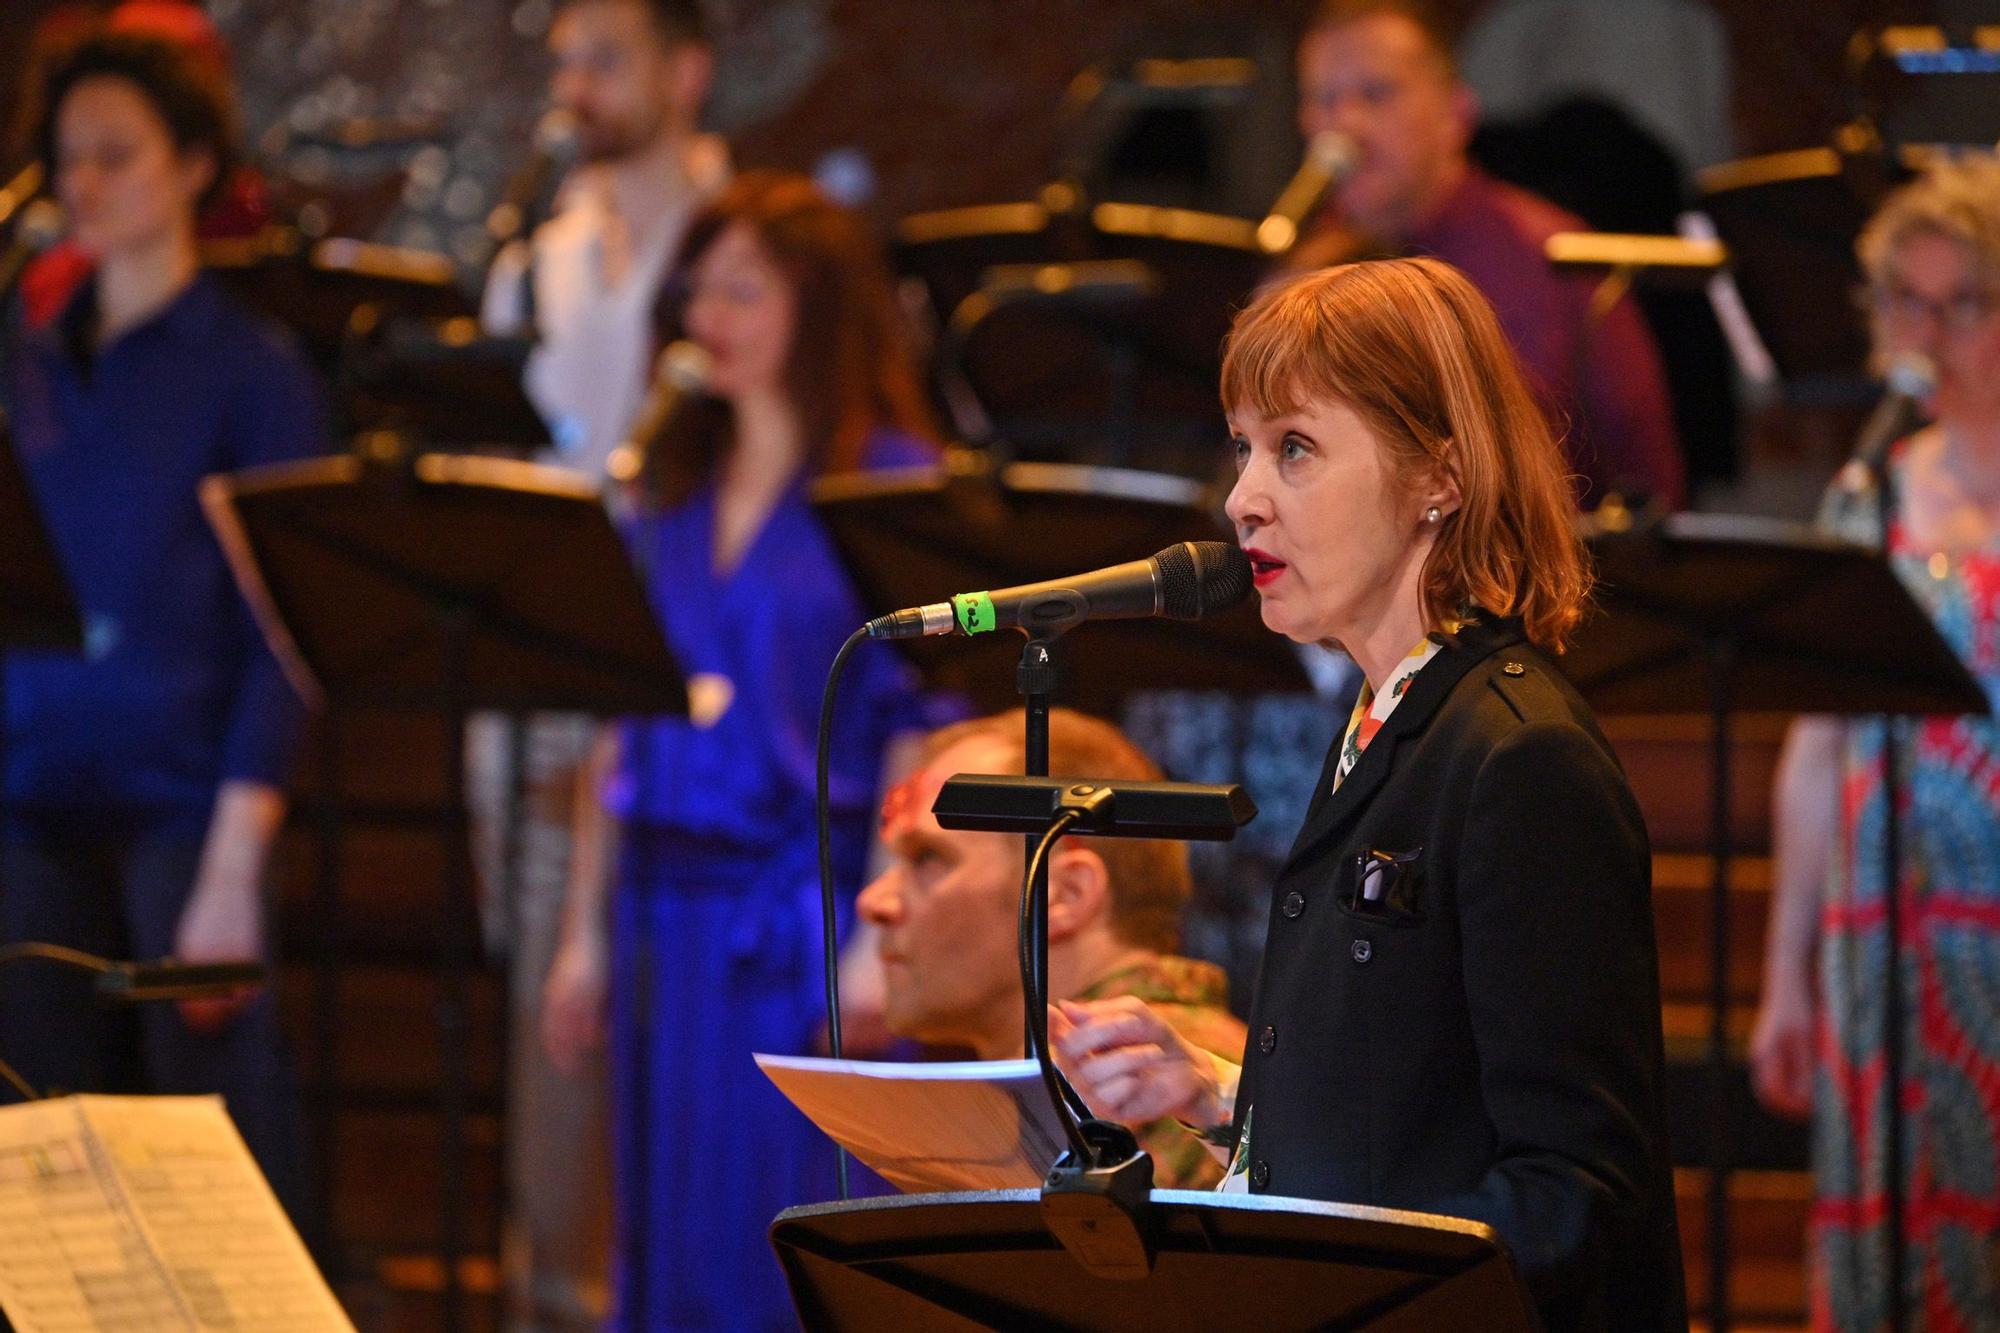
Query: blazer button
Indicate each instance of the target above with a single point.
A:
(1362, 951)
(1513, 669)
(1260, 1174)
(1267, 1040)
(1294, 905)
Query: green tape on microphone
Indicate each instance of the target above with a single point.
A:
(974, 611)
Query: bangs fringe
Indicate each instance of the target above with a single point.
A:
(1276, 359)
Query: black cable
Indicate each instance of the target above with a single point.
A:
(55, 953)
(20, 1084)
(1037, 1003)
(828, 906)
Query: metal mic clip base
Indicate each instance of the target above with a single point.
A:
(1103, 1214)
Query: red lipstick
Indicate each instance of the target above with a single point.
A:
(1264, 567)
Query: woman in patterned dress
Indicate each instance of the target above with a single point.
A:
(1932, 256)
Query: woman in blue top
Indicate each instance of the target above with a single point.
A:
(144, 775)
(710, 947)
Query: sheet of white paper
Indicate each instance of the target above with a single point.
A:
(970, 1125)
(146, 1213)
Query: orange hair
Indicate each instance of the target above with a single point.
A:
(1416, 352)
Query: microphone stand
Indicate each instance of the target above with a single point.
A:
(1096, 1198)
(135, 983)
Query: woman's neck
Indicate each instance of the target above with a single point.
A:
(1397, 627)
(764, 456)
(767, 437)
(134, 285)
(1971, 452)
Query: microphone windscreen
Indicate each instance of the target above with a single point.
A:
(685, 365)
(1912, 375)
(1199, 577)
(1333, 153)
(40, 226)
(556, 134)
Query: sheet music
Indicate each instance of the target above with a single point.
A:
(966, 1125)
(146, 1213)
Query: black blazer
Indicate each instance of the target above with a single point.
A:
(1476, 1031)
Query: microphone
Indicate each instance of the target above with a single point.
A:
(1911, 379)
(167, 979)
(1330, 158)
(680, 373)
(40, 225)
(1183, 582)
(528, 192)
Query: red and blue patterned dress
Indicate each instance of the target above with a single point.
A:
(1949, 880)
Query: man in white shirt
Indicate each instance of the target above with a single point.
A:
(632, 76)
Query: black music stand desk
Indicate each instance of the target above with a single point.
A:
(37, 607)
(451, 583)
(1720, 614)
(986, 1260)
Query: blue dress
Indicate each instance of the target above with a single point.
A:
(715, 916)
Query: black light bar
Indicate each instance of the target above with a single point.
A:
(1183, 811)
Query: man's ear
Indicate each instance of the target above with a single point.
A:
(1079, 892)
(691, 70)
(1464, 112)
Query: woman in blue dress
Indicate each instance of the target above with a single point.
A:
(710, 946)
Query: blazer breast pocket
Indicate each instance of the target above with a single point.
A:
(1384, 887)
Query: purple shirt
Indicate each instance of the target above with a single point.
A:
(175, 691)
(1604, 384)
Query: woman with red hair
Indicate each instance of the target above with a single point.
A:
(710, 947)
(1459, 1005)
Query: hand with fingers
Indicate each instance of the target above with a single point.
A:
(1781, 1047)
(1130, 1065)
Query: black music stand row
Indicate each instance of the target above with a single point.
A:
(1149, 359)
(986, 1260)
(918, 535)
(453, 583)
(37, 607)
(1720, 614)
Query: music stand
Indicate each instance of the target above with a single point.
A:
(1790, 220)
(444, 383)
(451, 583)
(1154, 357)
(1717, 614)
(987, 1260)
(37, 607)
(917, 535)
(316, 289)
(38, 610)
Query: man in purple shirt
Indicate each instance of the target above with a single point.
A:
(1378, 72)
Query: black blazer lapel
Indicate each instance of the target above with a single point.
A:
(1333, 810)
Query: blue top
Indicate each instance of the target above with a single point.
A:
(743, 784)
(175, 691)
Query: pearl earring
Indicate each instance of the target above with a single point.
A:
(1434, 515)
